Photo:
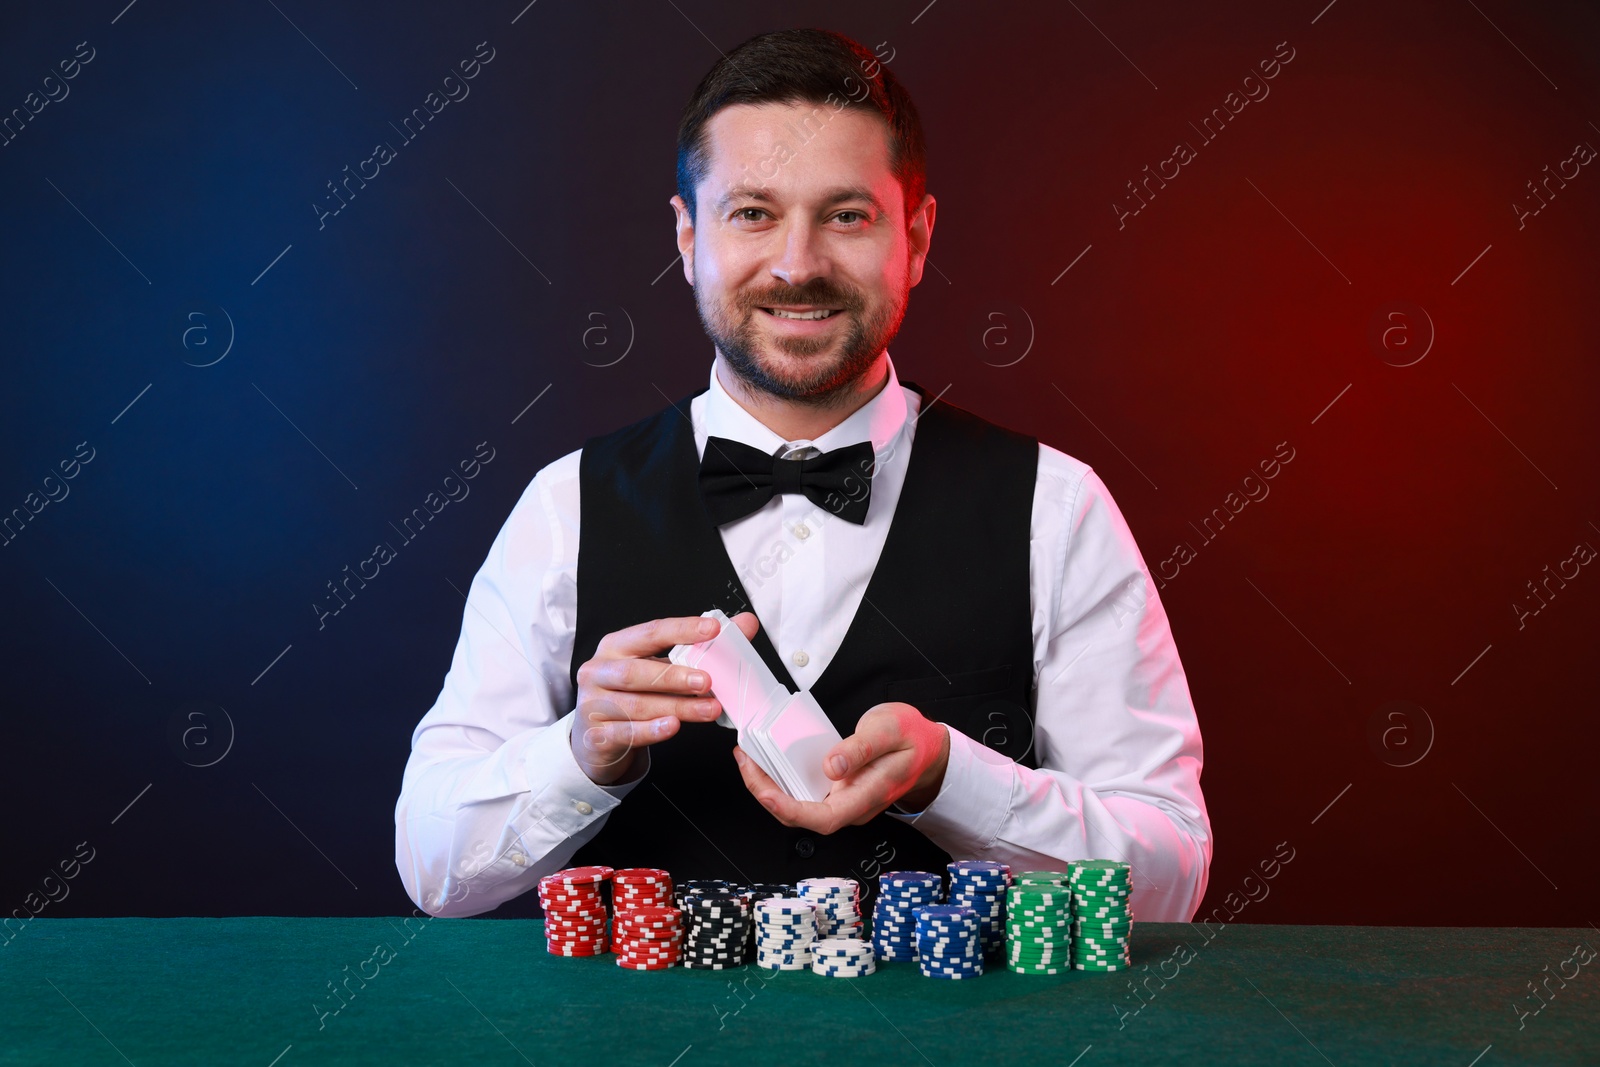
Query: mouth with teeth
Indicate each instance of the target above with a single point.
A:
(812, 315)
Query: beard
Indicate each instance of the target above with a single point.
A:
(831, 364)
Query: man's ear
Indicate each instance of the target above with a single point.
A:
(919, 234)
(685, 225)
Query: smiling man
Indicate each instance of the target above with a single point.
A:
(965, 602)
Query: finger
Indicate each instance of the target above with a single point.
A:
(656, 636)
(857, 803)
(756, 780)
(874, 736)
(644, 676)
(620, 704)
(607, 743)
(811, 815)
(748, 623)
(764, 789)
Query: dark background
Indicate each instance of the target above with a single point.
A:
(172, 191)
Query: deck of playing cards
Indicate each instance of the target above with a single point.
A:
(787, 734)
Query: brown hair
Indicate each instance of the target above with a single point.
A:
(811, 66)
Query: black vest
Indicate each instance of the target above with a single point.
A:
(944, 625)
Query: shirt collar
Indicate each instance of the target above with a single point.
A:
(879, 420)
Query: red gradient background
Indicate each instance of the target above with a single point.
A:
(1206, 329)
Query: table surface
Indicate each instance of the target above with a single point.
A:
(258, 991)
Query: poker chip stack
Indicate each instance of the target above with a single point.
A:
(842, 957)
(894, 919)
(574, 911)
(838, 902)
(948, 942)
(981, 886)
(1039, 924)
(755, 893)
(1102, 923)
(695, 887)
(648, 937)
(787, 930)
(640, 887)
(716, 928)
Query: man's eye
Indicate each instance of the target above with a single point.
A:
(740, 214)
(841, 215)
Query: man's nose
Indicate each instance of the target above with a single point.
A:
(801, 258)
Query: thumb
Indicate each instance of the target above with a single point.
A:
(748, 623)
(873, 737)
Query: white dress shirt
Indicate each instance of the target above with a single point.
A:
(492, 797)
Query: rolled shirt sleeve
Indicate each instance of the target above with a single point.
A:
(1115, 731)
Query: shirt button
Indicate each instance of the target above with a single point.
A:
(583, 807)
(800, 658)
(519, 859)
(805, 848)
(802, 531)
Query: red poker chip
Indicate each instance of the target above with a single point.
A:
(640, 875)
(659, 938)
(655, 917)
(631, 952)
(558, 893)
(628, 966)
(551, 919)
(656, 947)
(647, 929)
(566, 950)
(575, 935)
(572, 903)
(639, 957)
(576, 876)
(648, 935)
(636, 957)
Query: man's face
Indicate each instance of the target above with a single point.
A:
(799, 212)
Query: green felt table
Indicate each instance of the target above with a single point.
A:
(483, 991)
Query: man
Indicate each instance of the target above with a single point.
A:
(966, 603)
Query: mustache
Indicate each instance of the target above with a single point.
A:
(821, 297)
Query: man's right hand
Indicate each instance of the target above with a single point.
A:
(631, 696)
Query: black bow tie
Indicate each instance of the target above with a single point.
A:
(736, 479)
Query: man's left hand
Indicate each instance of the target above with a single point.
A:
(895, 754)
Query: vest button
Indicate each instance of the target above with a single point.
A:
(800, 658)
(802, 531)
(805, 848)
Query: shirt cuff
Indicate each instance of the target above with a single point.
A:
(569, 789)
(973, 801)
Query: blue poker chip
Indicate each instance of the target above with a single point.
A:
(899, 879)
